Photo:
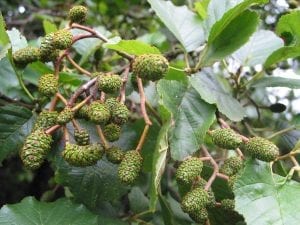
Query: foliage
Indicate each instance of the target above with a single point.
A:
(158, 112)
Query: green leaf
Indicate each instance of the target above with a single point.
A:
(211, 91)
(261, 44)
(49, 27)
(159, 160)
(91, 185)
(30, 211)
(184, 24)
(277, 82)
(216, 9)
(9, 82)
(133, 47)
(276, 199)
(282, 54)
(15, 124)
(4, 39)
(226, 39)
(201, 8)
(288, 28)
(167, 213)
(137, 200)
(191, 116)
(17, 40)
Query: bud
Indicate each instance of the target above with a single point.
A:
(78, 14)
(82, 156)
(81, 137)
(48, 85)
(99, 112)
(62, 39)
(130, 167)
(226, 138)
(115, 154)
(231, 166)
(25, 56)
(262, 149)
(150, 66)
(112, 132)
(109, 83)
(65, 116)
(35, 148)
(189, 170)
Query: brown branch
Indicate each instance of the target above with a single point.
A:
(222, 176)
(80, 90)
(79, 68)
(142, 138)
(215, 166)
(102, 137)
(123, 88)
(62, 98)
(76, 124)
(143, 101)
(52, 129)
(53, 103)
(82, 103)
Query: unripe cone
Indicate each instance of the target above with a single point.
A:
(111, 103)
(115, 154)
(112, 132)
(119, 114)
(99, 112)
(25, 56)
(226, 138)
(109, 83)
(262, 149)
(62, 39)
(200, 216)
(130, 167)
(150, 66)
(195, 200)
(48, 52)
(82, 156)
(228, 204)
(83, 112)
(35, 148)
(65, 116)
(82, 137)
(189, 170)
(78, 14)
(46, 119)
(48, 85)
(231, 166)
(232, 179)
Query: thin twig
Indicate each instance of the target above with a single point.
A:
(153, 112)
(79, 68)
(62, 98)
(53, 103)
(123, 88)
(143, 101)
(215, 166)
(102, 137)
(281, 132)
(142, 138)
(80, 90)
(76, 124)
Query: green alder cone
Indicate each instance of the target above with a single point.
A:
(82, 156)
(48, 52)
(62, 39)
(45, 120)
(262, 149)
(25, 56)
(97, 74)
(115, 155)
(150, 66)
(189, 170)
(109, 83)
(199, 216)
(195, 200)
(82, 137)
(65, 116)
(111, 103)
(78, 14)
(99, 113)
(232, 179)
(83, 112)
(226, 138)
(231, 166)
(119, 113)
(35, 148)
(228, 204)
(112, 132)
(130, 167)
(48, 85)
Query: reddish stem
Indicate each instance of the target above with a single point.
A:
(143, 101)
